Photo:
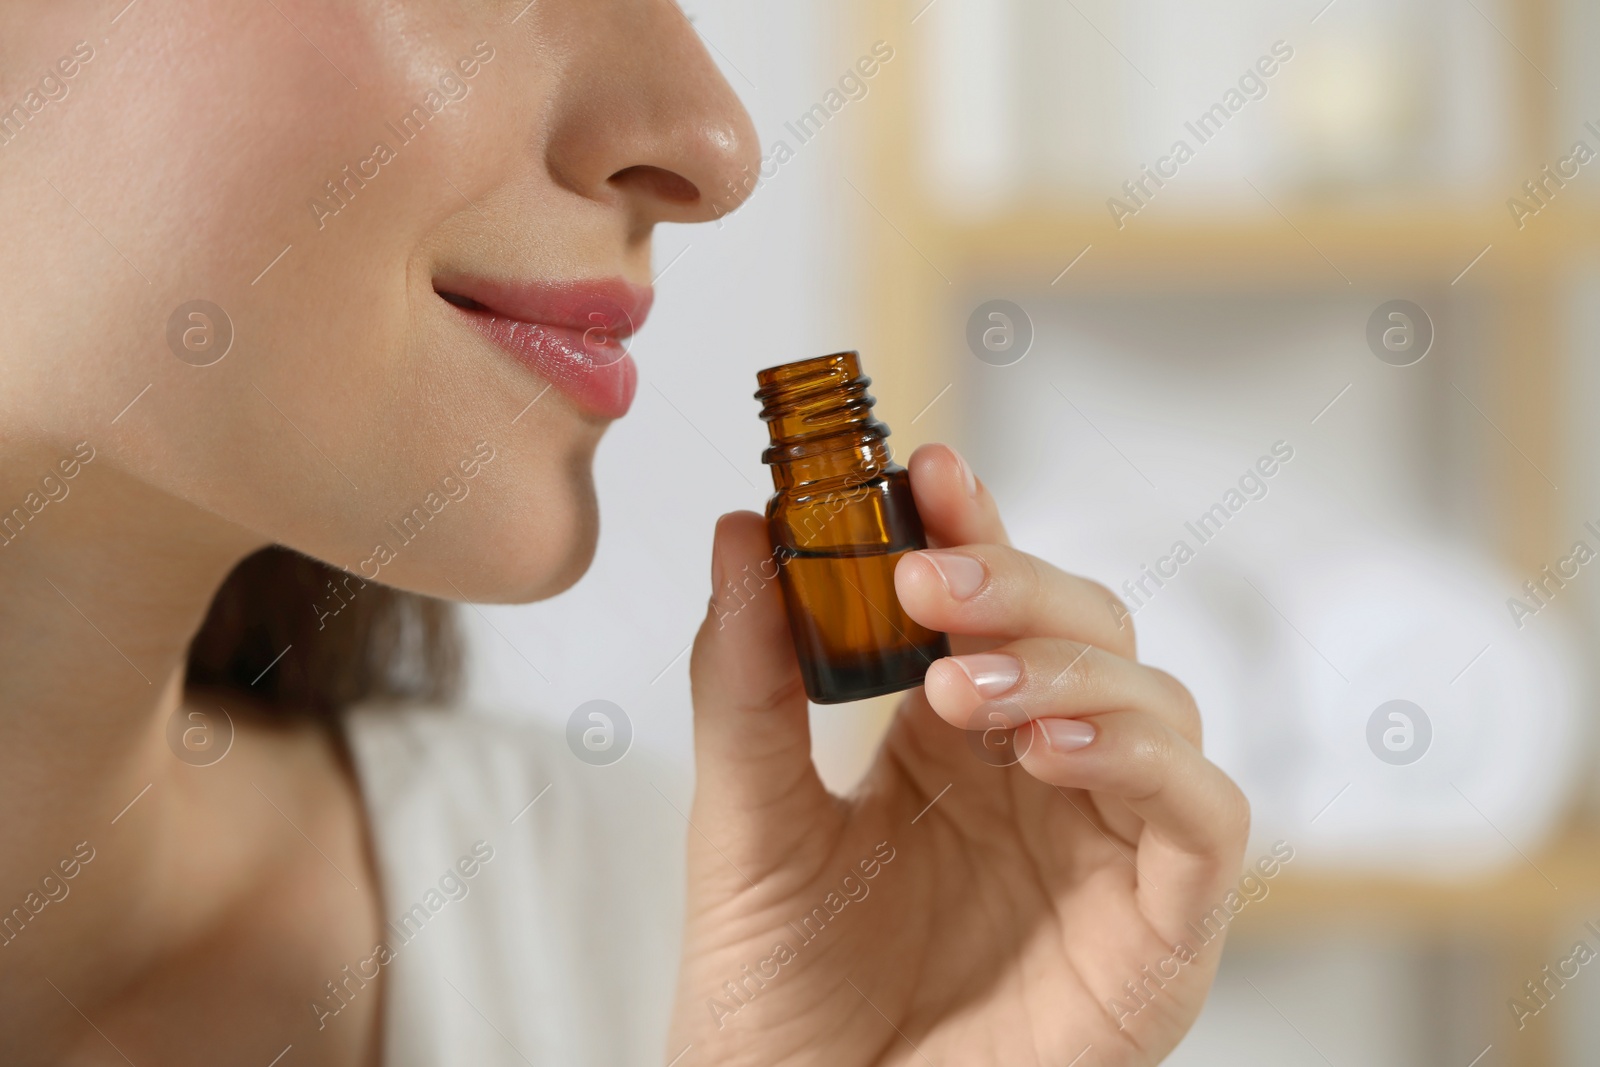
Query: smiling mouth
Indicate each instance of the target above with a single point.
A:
(600, 333)
(570, 334)
(607, 311)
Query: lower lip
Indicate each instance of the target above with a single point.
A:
(597, 375)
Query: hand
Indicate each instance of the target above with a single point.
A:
(952, 911)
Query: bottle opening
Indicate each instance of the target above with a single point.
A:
(817, 405)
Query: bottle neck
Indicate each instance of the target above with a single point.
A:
(819, 417)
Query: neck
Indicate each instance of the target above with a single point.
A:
(103, 583)
(101, 592)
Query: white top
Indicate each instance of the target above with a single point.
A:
(542, 934)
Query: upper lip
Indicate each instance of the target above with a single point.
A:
(615, 306)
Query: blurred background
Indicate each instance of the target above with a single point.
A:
(1122, 254)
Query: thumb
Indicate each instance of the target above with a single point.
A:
(751, 731)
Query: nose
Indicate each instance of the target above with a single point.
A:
(643, 118)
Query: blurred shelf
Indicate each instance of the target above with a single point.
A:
(920, 262)
(1518, 919)
(913, 255)
(1314, 247)
(1535, 900)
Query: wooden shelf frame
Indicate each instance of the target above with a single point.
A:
(915, 258)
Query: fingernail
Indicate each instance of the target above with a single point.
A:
(991, 673)
(963, 575)
(966, 474)
(1065, 734)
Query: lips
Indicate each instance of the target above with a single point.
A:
(571, 334)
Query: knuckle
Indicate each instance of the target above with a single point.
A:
(1151, 751)
(1183, 700)
(1236, 813)
(1121, 617)
(1150, 757)
(1080, 671)
(1029, 578)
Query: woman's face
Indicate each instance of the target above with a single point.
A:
(413, 216)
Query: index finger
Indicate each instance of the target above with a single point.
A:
(995, 591)
(955, 507)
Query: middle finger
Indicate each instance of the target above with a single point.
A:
(1039, 678)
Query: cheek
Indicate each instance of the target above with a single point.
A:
(220, 157)
(216, 154)
(342, 400)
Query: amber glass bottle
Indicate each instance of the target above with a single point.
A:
(841, 518)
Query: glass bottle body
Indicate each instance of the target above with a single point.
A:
(841, 518)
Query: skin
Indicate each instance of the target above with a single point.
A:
(1015, 903)
(179, 163)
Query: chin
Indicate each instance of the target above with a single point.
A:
(562, 539)
(580, 534)
(540, 543)
(570, 564)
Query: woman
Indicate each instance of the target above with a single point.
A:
(407, 221)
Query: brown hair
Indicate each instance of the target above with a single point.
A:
(310, 639)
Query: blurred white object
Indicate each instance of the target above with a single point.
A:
(523, 889)
(1292, 625)
(970, 116)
